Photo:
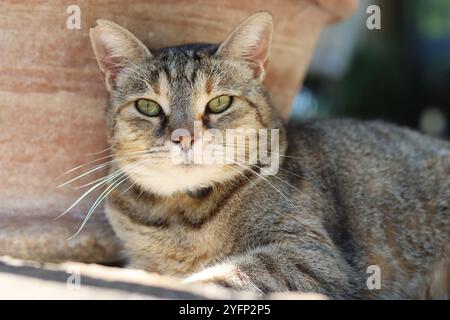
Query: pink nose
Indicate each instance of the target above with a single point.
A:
(186, 141)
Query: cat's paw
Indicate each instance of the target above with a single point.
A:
(225, 275)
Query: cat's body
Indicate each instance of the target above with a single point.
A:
(360, 194)
(348, 195)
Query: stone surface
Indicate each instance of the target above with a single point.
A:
(52, 101)
(28, 280)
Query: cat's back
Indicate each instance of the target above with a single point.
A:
(357, 149)
(389, 190)
(362, 137)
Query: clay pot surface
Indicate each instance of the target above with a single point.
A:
(52, 101)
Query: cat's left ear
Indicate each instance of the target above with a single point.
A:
(115, 47)
(250, 42)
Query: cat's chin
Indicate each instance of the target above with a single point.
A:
(166, 181)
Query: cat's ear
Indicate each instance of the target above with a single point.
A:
(250, 42)
(114, 47)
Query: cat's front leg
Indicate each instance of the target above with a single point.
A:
(278, 268)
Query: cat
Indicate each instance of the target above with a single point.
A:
(348, 195)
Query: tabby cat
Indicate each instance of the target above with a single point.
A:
(348, 196)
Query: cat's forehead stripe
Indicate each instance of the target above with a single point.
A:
(164, 92)
(183, 89)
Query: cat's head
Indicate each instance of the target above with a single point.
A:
(163, 103)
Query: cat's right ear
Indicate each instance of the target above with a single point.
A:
(114, 48)
(250, 42)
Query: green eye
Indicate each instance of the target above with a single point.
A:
(219, 104)
(148, 107)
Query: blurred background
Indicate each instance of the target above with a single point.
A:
(399, 74)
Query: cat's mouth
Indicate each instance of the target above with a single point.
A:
(189, 166)
(167, 178)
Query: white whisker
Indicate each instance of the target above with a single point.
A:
(88, 192)
(121, 178)
(104, 194)
(102, 166)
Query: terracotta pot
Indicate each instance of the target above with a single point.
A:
(52, 100)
